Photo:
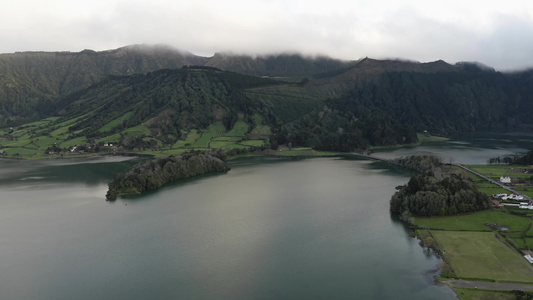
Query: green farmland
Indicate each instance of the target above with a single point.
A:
(480, 255)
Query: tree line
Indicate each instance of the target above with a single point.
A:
(515, 159)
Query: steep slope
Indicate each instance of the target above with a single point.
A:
(166, 101)
(31, 82)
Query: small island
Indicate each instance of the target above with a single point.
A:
(155, 173)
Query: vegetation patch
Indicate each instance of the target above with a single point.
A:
(239, 129)
(253, 143)
(304, 152)
(260, 128)
(233, 139)
(46, 141)
(208, 134)
(426, 137)
(482, 255)
(74, 142)
(116, 122)
(191, 138)
(478, 294)
(17, 142)
(235, 146)
(474, 221)
(220, 144)
(22, 151)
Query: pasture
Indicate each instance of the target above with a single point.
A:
(475, 221)
(480, 255)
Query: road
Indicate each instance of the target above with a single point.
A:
(526, 198)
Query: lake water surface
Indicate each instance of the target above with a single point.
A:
(270, 228)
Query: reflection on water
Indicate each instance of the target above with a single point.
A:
(90, 171)
(271, 228)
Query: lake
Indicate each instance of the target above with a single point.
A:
(271, 228)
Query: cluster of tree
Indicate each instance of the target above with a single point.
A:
(442, 103)
(153, 174)
(516, 159)
(389, 108)
(338, 127)
(437, 191)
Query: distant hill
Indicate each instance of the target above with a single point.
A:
(150, 97)
(282, 65)
(31, 82)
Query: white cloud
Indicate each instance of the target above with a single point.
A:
(493, 33)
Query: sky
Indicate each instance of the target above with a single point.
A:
(496, 33)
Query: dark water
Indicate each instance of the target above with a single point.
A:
(268, 229)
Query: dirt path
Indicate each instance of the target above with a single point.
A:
(488, 285)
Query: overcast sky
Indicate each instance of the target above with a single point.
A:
(496, 33)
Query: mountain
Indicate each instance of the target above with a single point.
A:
(31, 82)
(282, 65)
(94, 101)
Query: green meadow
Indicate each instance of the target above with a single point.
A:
(495, 171)
(478, 294)
(475, 221)
(480, 255)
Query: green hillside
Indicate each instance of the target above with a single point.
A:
(32, 82)
(167, 110)
(353, 107)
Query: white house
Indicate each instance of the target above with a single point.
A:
(505, 179)
(515, 197)
(529, 258)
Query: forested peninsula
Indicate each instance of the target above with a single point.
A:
(436, 190)
(153, 174)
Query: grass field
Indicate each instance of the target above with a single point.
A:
(22, 151)
(136, 131)
(481, 255)
(46, 141)
(221, 144)
(192, 136)
(260, 128)
(74, 142)
(235, 146)
(423, 138)
(234, 139)
(475, 221)
(253, 143)
(495, 171)
(526, 191)
(284, 151)
(239, 129)
(211, 132)
(487, 187)
(115, 122)
(203, 140)
(477, 294)
(17, 142)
